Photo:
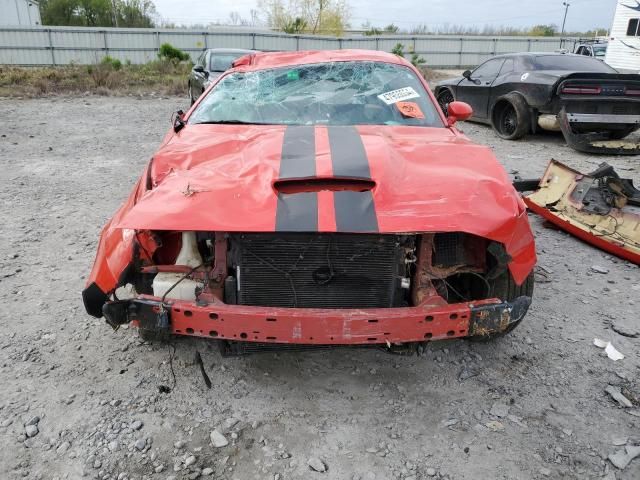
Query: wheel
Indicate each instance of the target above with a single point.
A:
(506, 289)
(445, 97)
(510, 117)
(620, 134)
(191, 99)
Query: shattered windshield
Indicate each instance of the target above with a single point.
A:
(335, 93)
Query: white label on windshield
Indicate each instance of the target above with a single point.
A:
(398, 95)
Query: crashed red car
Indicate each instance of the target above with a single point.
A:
(318, 198)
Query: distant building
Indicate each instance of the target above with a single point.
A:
(20, 12)
(623, 52)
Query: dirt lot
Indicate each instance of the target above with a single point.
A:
(532, 405)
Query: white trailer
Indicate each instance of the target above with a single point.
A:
(20, 12)
(623, 52)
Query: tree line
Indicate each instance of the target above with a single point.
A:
(315, 17)
(99, 13)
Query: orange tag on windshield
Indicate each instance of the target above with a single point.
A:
(410, 109)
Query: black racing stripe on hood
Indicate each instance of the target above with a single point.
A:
(355, 211)
(298, 158)
(298, 212)
(348, 155)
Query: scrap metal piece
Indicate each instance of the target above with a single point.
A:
(599, 208)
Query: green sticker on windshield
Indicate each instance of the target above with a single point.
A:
(293, 75)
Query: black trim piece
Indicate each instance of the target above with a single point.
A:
(297, 212)
(93, 299)
(355, 212)
(298, 152)
(495, 318)
(348, 155)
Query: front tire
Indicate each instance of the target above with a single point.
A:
(445, 97)
(510, 117)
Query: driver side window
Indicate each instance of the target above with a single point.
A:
(488, 69)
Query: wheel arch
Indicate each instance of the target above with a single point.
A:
(513, 98)
(441, 88)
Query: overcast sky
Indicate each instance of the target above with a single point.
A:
(583, 14)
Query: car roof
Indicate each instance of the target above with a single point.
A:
(230, 50)
(537, 54)
(264, 60)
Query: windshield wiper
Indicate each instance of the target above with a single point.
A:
(230, 122)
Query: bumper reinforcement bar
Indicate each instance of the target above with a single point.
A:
(310, 326)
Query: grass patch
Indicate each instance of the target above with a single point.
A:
(109, 77)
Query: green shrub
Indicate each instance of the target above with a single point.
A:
(112, 62)
(398, 50)
(169, 52)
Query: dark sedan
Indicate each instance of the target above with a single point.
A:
(519, 93)
(210, 65)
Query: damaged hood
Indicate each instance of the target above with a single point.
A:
(227, 178)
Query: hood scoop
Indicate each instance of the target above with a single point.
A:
(319, 184)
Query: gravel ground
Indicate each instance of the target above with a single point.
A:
(79, 400)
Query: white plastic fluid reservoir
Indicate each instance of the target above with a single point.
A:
(186, 289)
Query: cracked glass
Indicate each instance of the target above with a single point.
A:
(332, 93)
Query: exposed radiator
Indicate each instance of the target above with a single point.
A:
(319, 270)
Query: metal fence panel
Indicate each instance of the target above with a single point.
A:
(117, 40)
(61, 45)
(23, 38)
(272, 43)
(14, 56)
(318, 43)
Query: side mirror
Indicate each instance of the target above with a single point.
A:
(467, 74)
(177, 120)
(458, 112)
(198, 68)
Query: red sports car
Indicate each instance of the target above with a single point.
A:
(316, 199)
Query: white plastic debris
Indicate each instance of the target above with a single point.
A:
(609, 349)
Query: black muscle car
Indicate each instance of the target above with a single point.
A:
(211, 63)
(590, 102)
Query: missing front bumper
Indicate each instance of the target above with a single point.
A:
(306, 326)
